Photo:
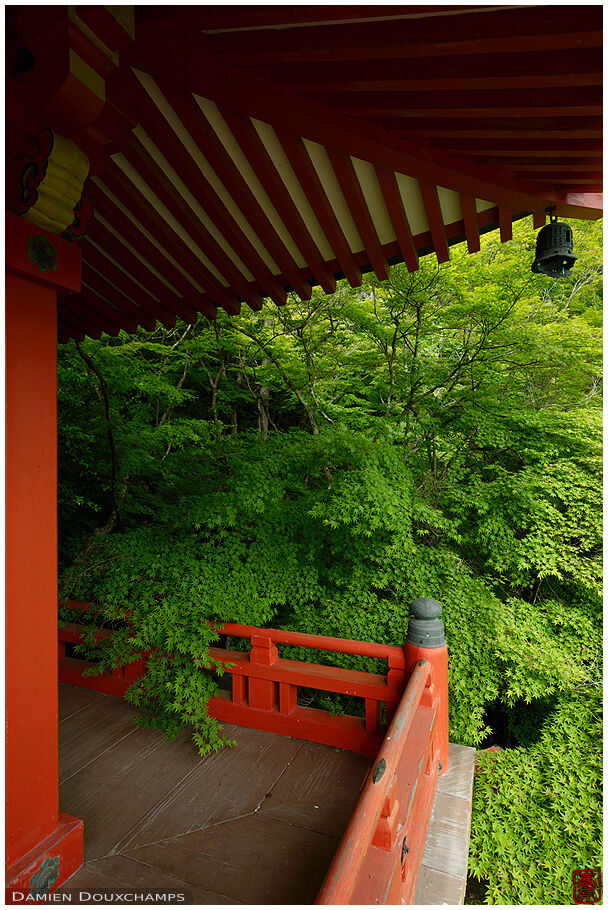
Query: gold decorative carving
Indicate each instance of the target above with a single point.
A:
(52, 181)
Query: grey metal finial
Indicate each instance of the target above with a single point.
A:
(425, 628)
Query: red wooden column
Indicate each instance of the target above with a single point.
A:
(426, 641)
(43, 845)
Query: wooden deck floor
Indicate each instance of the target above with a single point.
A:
(257, 824)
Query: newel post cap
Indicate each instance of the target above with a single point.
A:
(425, 629)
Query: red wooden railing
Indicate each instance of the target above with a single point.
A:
(379, 857)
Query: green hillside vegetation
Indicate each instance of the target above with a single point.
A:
(317, 467)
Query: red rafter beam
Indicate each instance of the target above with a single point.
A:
(122, 225)
(162, 186)
(255, 151)
(116, 297)
(154, 310)
(99, 257)
(205, 137)
(139, 102)
(398, 216)
(430, 198)
(507, 71)
(148, 217)
(69, 319)
(486, 32)
(372, 102)
(306, 173)
(540, 148)
(239, 18)
(471, 227)
(520, 128)
(108, 315)
(351, 188)
(301, 117)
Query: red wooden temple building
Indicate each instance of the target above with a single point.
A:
(166, 161)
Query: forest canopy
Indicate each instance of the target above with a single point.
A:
(318, 466)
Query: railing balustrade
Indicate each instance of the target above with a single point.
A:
(379, 856)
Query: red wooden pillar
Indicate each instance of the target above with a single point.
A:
(426, 641)
(43, 845)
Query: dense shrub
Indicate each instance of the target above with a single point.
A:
(319, 466)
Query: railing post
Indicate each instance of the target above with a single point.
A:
(263, 692)
(426, 640)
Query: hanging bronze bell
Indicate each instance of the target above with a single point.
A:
(554, 250)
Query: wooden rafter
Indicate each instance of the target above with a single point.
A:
(351, 188)
(208, 142)
(307, 117)
(162, 186)
(147, 216)
(398, 216)
(498, 32)
(147, 254)
(255, 151)
(469, 215)
(152, 309)
(432, 207)
(306, 173)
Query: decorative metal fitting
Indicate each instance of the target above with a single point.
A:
(425, 629)
(379, 770)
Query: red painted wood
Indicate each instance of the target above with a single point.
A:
(255, 151)
(104, 25)
(481, 33)
(147, 250)
(310, 724)
(148, 218)
(31, 770)
(65, 843)
(467, 103)
(372, 715)
(506, 223)
(119, 299)
(315, 676)
(522, 128)
(152, 310)
(539, 219)
(542, 69)
(430, 199)
(151, 119)
(145, 166)
(111, 316)
(66, 276)
(345, 870)
(288, 697)
(307, 175)
(76, 327)
(383, 878)
(469, 214)
(351, 188)
(31, 514)
(239, 690)
(226, 18)
(436, 694)
(319, 642)
(398, 216)
(205, 137)
(303, 116)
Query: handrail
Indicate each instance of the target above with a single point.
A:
(310, 640)
(340, 882)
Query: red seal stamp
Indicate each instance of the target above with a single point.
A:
(587, 886)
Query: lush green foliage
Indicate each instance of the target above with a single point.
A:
(319, 466)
